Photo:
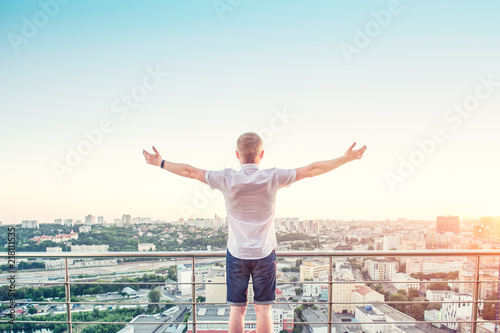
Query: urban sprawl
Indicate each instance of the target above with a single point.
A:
(368, 294)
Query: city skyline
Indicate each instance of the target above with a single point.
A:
(129, 219)
(89, 85)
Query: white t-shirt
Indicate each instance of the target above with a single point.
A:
(250, 196)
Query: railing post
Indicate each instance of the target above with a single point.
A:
(330, 293)
(193, 294)
(475, 305)
(68, 296)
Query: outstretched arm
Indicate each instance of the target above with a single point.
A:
(181, 169)
(319, 168)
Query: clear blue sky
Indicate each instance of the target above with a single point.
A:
(373, 72)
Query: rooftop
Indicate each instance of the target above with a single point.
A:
(393, 313)
(148, 328)
(364, 290)
(207, 312)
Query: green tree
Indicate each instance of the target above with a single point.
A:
(413, 293)
(489, 310)
(434, 306)
(297, 328)
(154, 296)
(172, 273)
(417, 311)
(298, 311)
(439, 286)
(398, 298)
(200, 299)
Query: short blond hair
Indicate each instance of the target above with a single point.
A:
(249, 146)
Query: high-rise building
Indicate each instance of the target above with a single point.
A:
(126, 218)
(33, 224)
(428, 265)
(89, 219)
(381, 269)
(391, 242)
(447, 223)
(455, 307)
(487, 228)
(100, 220)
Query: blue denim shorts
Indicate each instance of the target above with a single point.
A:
(263, 272)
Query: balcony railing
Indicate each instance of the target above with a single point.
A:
(329, 255)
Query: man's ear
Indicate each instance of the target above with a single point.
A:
(261, 154)
(237, 155)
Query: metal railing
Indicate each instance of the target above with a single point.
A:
(193, 255)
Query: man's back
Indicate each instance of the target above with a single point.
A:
(250, 196)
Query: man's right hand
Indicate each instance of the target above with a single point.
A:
(351, 155)
(153, 159)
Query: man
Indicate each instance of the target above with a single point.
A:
(250, 196)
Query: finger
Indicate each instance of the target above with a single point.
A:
(350, 148)
(156, 151)
(146, 153)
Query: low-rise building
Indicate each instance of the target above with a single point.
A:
(312, 269)
(60, 263)
(146, 247)
(90, 248)
(435, 295)
(387, 319)
(53, 249)
(216, 289)
(85, 228)
(311, 289)
(432, 316)
(405, 282)
(366, 295)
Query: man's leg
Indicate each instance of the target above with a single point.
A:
(237, 319)
(237, 276)
(264, 287)
(264, 318)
